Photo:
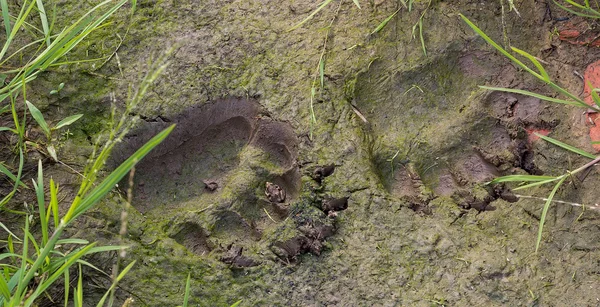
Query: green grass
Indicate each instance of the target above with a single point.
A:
(35, 260)
(43, 54)
(538, 71)
(540, 74)
(46, 261)
(581, 8)
(384, 22)
(419, 25)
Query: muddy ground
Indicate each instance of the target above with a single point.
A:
(386, 202)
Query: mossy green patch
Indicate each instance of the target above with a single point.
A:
(427, 109)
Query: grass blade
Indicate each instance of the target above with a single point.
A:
(498, 47)
(566, 146)
(594, 94)
(596, 98)
(545, 211)
(534, 61)
(114, 284)
(25, 10)
(9, 129)
(532, 94)
(13, 282)
(313, 93)
(521, 178)
(67, 283)
(236, 303)
(9, 196)
(4, 288)
(39, 118)
(60, 271)
(22, 278)
(384, 22)
(78, 295)
(39, 192)
(101, 249)
(357, 4)
(10, 175)
(577, 101)
(26, 278)
(322, 70)
(8, 231)
(36, 247)
(324, 4)
(72, 241)
(535, 184)
(44, 19)
(186, 296)
(91, 266)
(595, 13)
(6, 108)
(421, 36)
(575, 4)
(5, 16)
(67, 121)
(67, 40)
(54, 202)
(116, 176)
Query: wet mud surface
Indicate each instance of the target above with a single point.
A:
(383, 201)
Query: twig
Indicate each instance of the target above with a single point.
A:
(358, 113)
(267, 212)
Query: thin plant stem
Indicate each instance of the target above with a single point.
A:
(320, 70)
(594, 206)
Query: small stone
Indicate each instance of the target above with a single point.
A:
(322, 172)
(210, 185)
(274, 193)
(334, 204)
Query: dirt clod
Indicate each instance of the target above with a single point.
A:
(210, 185)
(334, 204)
(323, 171)
(309, 238)
(233, 256)
(274, 193)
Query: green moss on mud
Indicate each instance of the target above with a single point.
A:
(383, 251)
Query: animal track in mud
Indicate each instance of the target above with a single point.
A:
(230, 145)
(205, 145)
(444, 141)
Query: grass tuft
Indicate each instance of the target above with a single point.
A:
(33, 264)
